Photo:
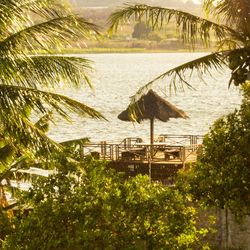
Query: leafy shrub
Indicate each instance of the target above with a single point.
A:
(101, 210)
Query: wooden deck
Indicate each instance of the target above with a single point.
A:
(132, 156)
(133, 149)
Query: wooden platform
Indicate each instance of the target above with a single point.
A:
(161, 160)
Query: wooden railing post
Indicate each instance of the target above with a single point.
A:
(183, 156)
(103, 149)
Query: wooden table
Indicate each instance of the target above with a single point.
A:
(133, 154)
(172, 153)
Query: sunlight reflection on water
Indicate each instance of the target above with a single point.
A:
(118, 76)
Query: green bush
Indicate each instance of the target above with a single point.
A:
(221, 176)
(101, 210)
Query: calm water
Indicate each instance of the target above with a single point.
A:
(118, 76)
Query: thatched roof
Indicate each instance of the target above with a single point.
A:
(151, 106)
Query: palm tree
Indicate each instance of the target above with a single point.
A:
(29, 30)
(232, 34)
(12, 159)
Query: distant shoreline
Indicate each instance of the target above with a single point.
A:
(126, 50)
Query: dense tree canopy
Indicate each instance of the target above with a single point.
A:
(101, 210)
(221, 176)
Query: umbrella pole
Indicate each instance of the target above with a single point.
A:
(151, 147)
(151, 137)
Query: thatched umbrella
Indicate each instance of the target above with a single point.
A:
(151, 106)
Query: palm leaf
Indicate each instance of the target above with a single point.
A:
(202, 65)
(16, 164)
(75, 142)
(60, 31)
(16, 14)
(10, 17)
(45, 70)
(238, 62)
(234, 12)
(15, 120)
(29, 138)
(7, 154)
(43, 122)
(23, 70)
(44, 8)
(13, 99)
(190, 26)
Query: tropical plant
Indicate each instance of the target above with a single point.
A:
(221, 176)
(230, 26)
(30, 30)
(102, 210)
(12, 159)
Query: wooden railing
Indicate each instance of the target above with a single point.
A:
(133, 149)
(180, 139)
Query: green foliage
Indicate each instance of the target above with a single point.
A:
(239, 62)
(221, 176)
(6, 226)
(27, 28)
(12, 157)
(99, 209)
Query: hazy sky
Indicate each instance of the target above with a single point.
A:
(194, 1)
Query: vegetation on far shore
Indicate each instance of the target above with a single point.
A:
(99, 50)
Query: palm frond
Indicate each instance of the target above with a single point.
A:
(16, 164)
(16, 123)
(15, 14)
(202, 65)
(190, 26)
(234, 12)
(43, 122)
(44, 8)
(58, 32)
(75, 142)
(6, 155)
(44, 70)
(10, 17)
(229, 43)
(238, 62)
(13, 99)
(23, 71)
(28, 137)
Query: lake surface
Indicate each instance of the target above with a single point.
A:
(118, 76)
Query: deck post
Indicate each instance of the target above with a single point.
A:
(183, 156)
(103, 149)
